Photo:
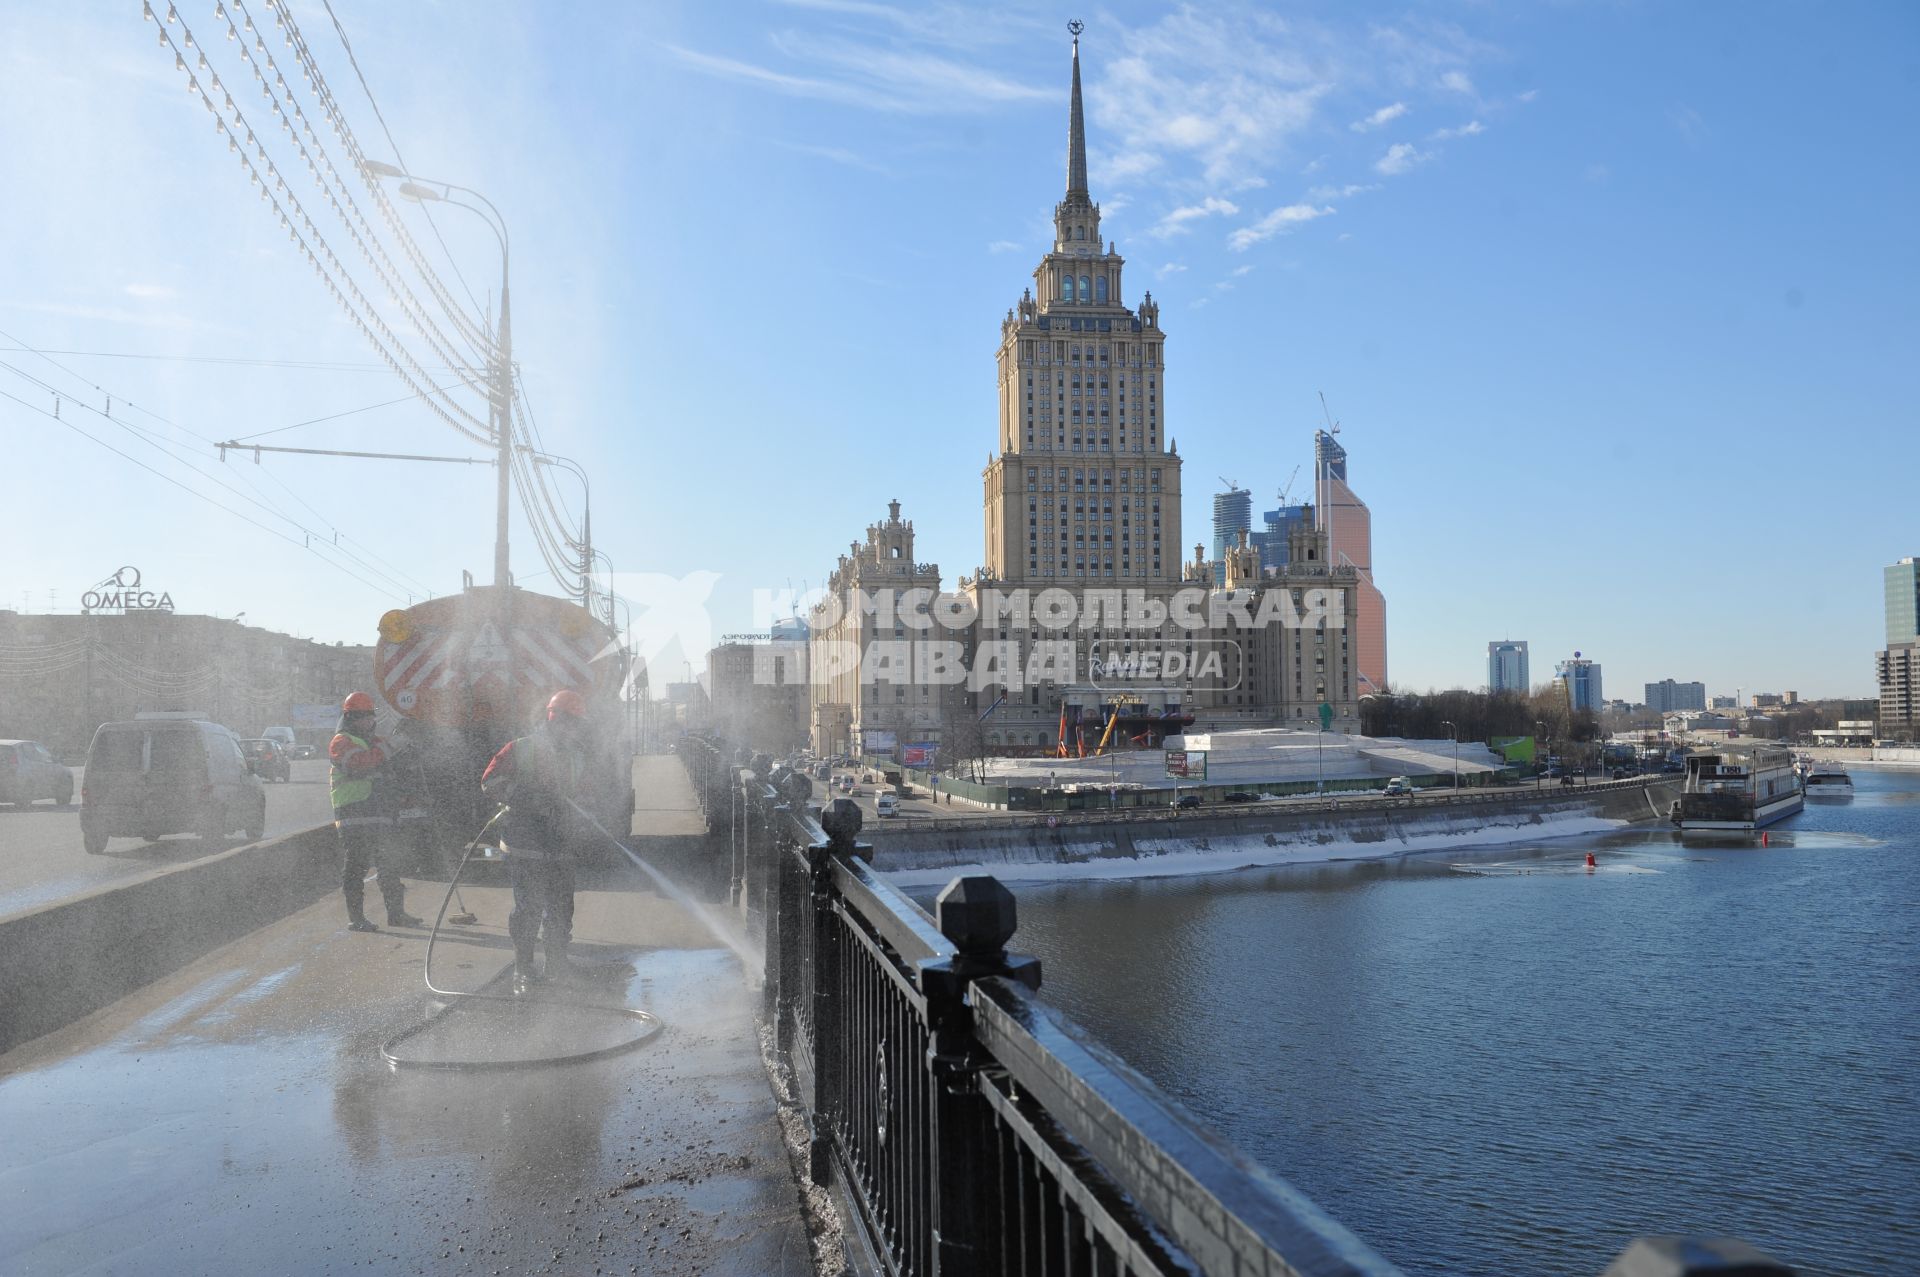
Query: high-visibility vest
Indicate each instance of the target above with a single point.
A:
(347, 790)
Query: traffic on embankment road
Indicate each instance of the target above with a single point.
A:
(42, 859)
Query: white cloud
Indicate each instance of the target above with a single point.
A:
(1177, 222)
(1598, 174)
(1472, 128)
(1528, 96)
(837, 154)
(1227, 92)
(1342, 192)
(1278, 222)
(888, 78)
(1400, 157)
(1238, 271)
(150, 292)
(1692, 127)
(1169, 270)
(1002, 246)
(1385, 115)
(1458, 81)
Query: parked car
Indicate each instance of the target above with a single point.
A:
(267, 760)
(168, 775)
(1398, 787)
(29, 773)
(1239, 796)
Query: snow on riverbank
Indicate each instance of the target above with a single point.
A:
(1172, 857)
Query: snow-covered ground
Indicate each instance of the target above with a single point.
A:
(1257, 756)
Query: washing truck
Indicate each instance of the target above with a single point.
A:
(467, 673)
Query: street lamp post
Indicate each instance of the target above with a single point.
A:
(1454, 732)
(500, 358)
(1540, 734)
(586, 518)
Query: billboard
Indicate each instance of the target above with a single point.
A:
(315, 718)
(1187, 764)
(874, 740)
(921, 754)
(1515, 749)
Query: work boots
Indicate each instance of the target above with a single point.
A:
(525, 978)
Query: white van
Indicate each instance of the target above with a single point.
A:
(886, 805)
(167, 775)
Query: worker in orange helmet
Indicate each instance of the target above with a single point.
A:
(543, 779)
(359, 761)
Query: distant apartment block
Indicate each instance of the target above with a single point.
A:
(1723, 702)
(1903, 602)
(1580, 678)
(1666, 696)
(1898, 669)
(1507, 666)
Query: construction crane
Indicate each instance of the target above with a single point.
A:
(1231, 485)
(1333, 427)
(1286, 489)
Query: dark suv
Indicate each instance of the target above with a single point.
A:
(267, 759)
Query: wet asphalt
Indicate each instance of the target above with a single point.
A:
(237, 1116)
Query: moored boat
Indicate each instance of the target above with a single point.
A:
(1828, 781)
(1738, 791)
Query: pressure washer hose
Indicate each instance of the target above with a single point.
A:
(454, 997)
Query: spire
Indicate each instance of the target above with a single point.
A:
(1076, 125)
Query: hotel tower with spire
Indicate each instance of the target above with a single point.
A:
(1084, 486)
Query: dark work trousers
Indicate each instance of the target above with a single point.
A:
(542, 894)
(363, 844)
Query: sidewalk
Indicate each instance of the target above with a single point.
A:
(236, 1116)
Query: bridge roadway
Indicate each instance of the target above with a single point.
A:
(235, 1115)
(41, 859)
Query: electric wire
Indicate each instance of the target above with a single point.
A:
(332, 271)
(470, 331)
(160, 474)
(399, 159)
(164, 448)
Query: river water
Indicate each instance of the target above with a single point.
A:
(1504, 1064)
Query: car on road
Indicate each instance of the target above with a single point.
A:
(299, 752)
(1186, 802)
(1398, 787)
(267, 760)
(886, 805)
(168, 774)
(29, 773)
(1239, 796)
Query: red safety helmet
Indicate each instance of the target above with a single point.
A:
(357, 703)
(566, 701)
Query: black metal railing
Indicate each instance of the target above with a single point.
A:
(966, 1126)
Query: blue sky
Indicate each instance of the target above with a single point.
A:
(1615, 302)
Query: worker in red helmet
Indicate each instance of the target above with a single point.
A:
(543, 779)
(359, 763)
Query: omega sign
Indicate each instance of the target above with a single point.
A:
(122, 591)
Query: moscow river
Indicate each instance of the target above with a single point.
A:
(1501, 1063)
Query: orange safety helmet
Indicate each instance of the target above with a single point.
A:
(357, 703)
(566, 701)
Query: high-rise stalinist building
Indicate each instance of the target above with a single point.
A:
(1084, 487)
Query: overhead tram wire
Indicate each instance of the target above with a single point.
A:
(315, 365)
(399, 159)
(191, 491)
(334, 416)
(332, 273)
(258, 500)
(287, 108)
(474, 335)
